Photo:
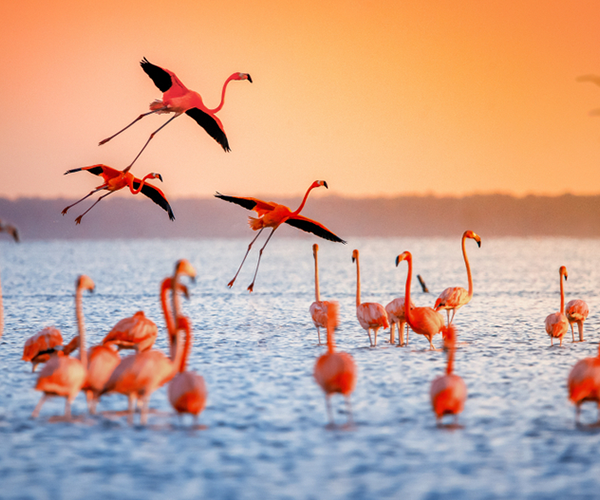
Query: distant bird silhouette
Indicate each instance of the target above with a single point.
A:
(557, 323)
(178, 99)
(272, 215)
(12, 230)
(114, 180)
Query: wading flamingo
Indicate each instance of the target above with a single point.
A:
(396, 317)
(335, 371)
(102, 361)
(12, 230)
(187, 391)
(448, 392)
(135, 332)
(39, 347)
(118, 179)
(272, 215)
(584, 383)
(557, 323)
(64, 376)
(139, 375)
(577, 311)
(423, 320)
(454, 298)
(318, 309)
(178, 99)
(371, 315)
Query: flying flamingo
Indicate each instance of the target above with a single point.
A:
(64, 376)
(187, 391)
(584, 383)
(557, 323)
(272, 215)
(371, 315)
(39, 347)
(577, 311)
(448, 392)
(318, 309)
(396, 316)
(139, 375)
(114, 180)
(135, 332)
(178, 99)
(335, 371)
(12, 230)
(454, 298)
(423, 320)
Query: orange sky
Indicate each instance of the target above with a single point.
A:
(375, 97)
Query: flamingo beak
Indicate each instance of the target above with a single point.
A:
(325, 184)
(159, 177)
(249, 77)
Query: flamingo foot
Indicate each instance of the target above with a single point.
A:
(251, 287)
(104, 141)
(65, 211)
(230, 284)
(78, 220)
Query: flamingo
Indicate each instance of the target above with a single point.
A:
(135, 332)
(318, 309)
(557, 323)
(178, 99)
(448, 392)
(187, 391)
(371, 315)
(396, 316)
(12, 230)
(577, 311)
(39, 347)
(584, 383)
(272, 215)
(335, 371)
(139, 375)
(423, 320)
(102, 361)
(454, 298)
(64, 376)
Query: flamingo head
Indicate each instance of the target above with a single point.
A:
(563, 272)
(438, 303)
(154, 175)
(473, 236)
(85, 282)
(167, 284)
(183, 266)
(317, 184)
(315, 249)
(242, 76)
(354, 255)
(403, 256)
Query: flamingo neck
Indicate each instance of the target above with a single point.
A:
(139, 188)
(169, 321)
(80, 326)
(187, 344)
(407, 311)
(357, 282)
(317, 294)
(469, 278)
(299, 209)
(562, 295)
(218, 108)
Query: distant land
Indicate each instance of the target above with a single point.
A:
(489, 215)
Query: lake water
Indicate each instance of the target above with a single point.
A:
(264, 432)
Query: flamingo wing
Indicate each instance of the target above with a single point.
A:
(156, 195)
(161, 78)
(249, 203)
(312, 226)
(211, 125)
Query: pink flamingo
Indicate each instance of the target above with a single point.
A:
(448, 392)
(335, 371)
(12, 230)
(64, 376)
(135, 332)
(557, 323)
(178, 99)
(396, 316)
(584, 383)
(423, 320)
(273, 215)
(114, 180)
(102, 361)
(454, 298)
(318, 309)
(577, 311)
(39, 347)
(371, 315)
(139, 375)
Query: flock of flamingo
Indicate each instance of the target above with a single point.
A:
(101, 370)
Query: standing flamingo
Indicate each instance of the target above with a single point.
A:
(64, 376)
(12, 230)
(178, 99)
(454, 298)
(272, 215)
(102, 361)
(118, 179)
(135, 332)
(448, 392)
(396, 316)
(139, 375)
(187, 391)
(577, 311)
(557, 323)
(335, 371)
(423, 320)
(318, 309)
(584, 383)
(39, 347)
(371, 315)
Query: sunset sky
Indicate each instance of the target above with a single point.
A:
(379, 98)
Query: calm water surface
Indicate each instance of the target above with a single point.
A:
(264, 429)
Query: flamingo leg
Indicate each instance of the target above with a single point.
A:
(580, 327)
(131, 408)
(144, 412)
(66, 209)
(375, 335)
(251, 287)
(319, 335)
(392, 341)
(370, 339)
(349, 410)
(407, 330)
(68, 408)
(572, 332)
(230, 284)
(78, 219)
(453, 313)
(38, 407)
(104, 141)
(448, 316)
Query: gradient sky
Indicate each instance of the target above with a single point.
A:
(379, 98)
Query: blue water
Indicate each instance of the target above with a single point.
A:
(264, 431)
